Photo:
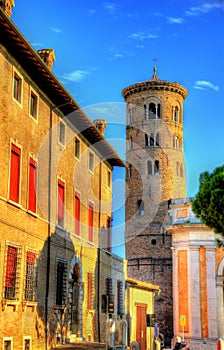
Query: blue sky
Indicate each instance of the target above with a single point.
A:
(102, 47)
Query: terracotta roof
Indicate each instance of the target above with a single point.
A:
(135, 283)
(32, 63)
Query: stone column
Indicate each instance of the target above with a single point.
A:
(219, 306)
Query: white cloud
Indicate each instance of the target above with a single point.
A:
(203, 84)
(111, 7)
(56, 30)
(92, 12)
(142, 36)
(175, 20)
(205, 8)
(75, 76)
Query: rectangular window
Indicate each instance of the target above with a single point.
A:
(61, 282)
(91, 161)
(77, 148)
(12, 272)
(32, 185)
(61, 136)
(109, 178)
(77, 214)
(90, 287)
(61, 201)
(8, 343)
(31, 276)
(14, 174)
(108, 234)
(17, 87)
(90, 233)
(120, 297)
(33, 104)
(27, 343)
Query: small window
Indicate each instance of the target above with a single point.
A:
(77, 148)
(109, 178)
(152, 141)
(14, 189)
(145, 112)
(181, 170)
(8, 343)
(140, 207)
(61, 136)
(149, 167)
(17, 87)
(152, 110)
(176, 114)
(157, 139)
(27, 343)
(91, 161)
(129, 171)
(129, 114)
(33, 104)
(156, 167)
(130, 144)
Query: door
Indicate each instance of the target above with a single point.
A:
(141, 326)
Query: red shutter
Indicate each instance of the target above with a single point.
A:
(31, 258)
(32, 185)
(14, 174)
(11, 267)
(90, 222)
(108, 235)
(77, 214)
(61, 198)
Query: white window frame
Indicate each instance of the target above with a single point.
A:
(27, 338)
(16, 73)
(33, 92)
(7, 339)
(61, 142)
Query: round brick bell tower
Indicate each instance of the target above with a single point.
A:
(155, 175)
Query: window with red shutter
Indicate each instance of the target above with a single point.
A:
(10, 278)
(90, 222)
(32, 185)
(31, 276)
(14, 174)
(61, 199)
(77, 214)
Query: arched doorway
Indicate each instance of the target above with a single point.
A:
(75, 297)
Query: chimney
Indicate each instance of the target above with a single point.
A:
(7, 5)
(47, 56)
(100, 124)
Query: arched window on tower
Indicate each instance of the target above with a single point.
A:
(140, 207)
(149, 167)
(130, 114)
(181, 170)
(152, 141)
(130, 144)
(176, 114)
(156, 167)
(129, 171)
(178, 169)
(152, 110)
(145, 112)
(158, 110)
(157, 139)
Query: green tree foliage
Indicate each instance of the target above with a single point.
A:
(209, 202)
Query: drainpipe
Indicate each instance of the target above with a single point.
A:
(99, 248)
(49, 225)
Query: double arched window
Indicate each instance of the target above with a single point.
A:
(152, 110)
(152, 140)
